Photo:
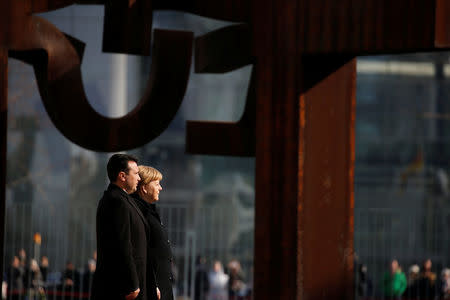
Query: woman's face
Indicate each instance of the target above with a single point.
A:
(152, 190)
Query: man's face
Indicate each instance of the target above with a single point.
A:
(132, 178)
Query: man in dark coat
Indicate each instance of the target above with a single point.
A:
(123, 271)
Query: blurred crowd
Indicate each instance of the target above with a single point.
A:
(219, 283)
(30, 279)
(420, 282)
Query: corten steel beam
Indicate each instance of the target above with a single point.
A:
(304, 163)
(325, 207)
(278, 160)
(442, 23)
(127, 26)
(3, 130)
(304, 182)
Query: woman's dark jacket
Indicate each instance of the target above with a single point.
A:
(122, 262)
(160, 252)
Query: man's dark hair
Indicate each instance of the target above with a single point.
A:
(118, 163)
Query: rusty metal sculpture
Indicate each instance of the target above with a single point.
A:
(299, 117)
(57, 59)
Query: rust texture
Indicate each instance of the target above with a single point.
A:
(48, 5)
(223, 50)
(325, 221)
(369, 26)
(277, 150)
(127, 27)
(229, 10)
(442, 24)
(354, 26)
(3, 144)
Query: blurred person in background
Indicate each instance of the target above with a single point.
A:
(412, 291)
(36, 287)
(15, 279)
(70, 277)
(160, 252)
(201, 279)
(44, 268)
(218, 283)
(444, 290)
(365, 287)
(4, 288)
(88, 275)
(427, 281)
(22, 254)
(394, 282)
(23, 258)
(236, 285)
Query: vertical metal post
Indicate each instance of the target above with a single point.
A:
(189, 264)
(192, 238)
(304, 168)
(3, 132)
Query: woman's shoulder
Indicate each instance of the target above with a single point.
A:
(143, 206)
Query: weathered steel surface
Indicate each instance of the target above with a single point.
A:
(127, 26)
(370, 26)
(442, 24)
(229, 10)
(222, 51)
(325, 206)
(48, 5)
(304, 148)
(304, 186)
(3, 143)
(319, 26)
(353, 26)
(277, 150)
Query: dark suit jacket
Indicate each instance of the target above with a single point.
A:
(160, 252)
(122, 264)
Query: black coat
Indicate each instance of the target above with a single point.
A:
(160, 251)
(122, 264)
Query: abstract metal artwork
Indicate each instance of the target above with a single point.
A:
(57, 58)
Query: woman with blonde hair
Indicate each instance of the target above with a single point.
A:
(160, 252)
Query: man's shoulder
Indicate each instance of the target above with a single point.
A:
(114, 197)
(114, 191)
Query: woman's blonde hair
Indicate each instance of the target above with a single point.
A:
(148, 174)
